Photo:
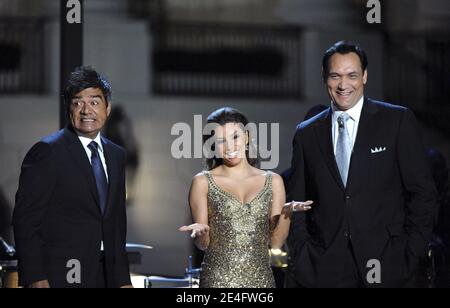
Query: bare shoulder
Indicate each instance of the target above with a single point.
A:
(200, 181)
(278, 184)
(277, 179)
(258, 172)
(199, 190)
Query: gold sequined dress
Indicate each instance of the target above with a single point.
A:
(238, 252)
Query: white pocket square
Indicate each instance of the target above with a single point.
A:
(378, 150)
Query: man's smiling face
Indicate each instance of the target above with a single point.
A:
(345, 80)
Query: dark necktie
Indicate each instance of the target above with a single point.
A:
(100, 176)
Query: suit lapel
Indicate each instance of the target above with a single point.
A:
(358, 171)
(324, 137)
(112, 174)
(78, 154)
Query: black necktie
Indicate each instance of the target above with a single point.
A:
(100, 176)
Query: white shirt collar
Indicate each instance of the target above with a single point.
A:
(354, 112)
(86, 141)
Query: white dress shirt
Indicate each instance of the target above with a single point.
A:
(85, 142)
(352, 123)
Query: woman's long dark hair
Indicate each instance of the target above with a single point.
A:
(221, 117)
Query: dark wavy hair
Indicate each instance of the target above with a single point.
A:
(343, 48)
(221, 117)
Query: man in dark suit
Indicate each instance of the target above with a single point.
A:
(69, 219)
(364, 166)
(5, 217)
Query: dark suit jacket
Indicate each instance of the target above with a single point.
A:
(386, 209)
(5, 218)
(57, 217)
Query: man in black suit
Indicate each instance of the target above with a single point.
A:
(69, 219)
(364, 166)
(5, 217)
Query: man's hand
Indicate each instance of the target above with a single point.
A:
(43, 284)
(129, 286)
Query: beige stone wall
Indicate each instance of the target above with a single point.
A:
(241, 11)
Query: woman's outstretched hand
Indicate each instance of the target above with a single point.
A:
(295, 206)
(195, 229)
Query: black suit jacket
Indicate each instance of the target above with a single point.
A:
(57, 217)
(386, 210)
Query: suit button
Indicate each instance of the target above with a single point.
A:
(347, 197)
(347, 234)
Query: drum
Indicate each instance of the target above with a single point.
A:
(9, 277)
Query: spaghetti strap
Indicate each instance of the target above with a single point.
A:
(269, 178)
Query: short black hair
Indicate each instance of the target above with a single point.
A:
(85, 77)
(343, 48)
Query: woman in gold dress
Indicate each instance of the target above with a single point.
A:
(239, 211)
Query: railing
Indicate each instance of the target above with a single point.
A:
(21, 55)
(227, 60)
